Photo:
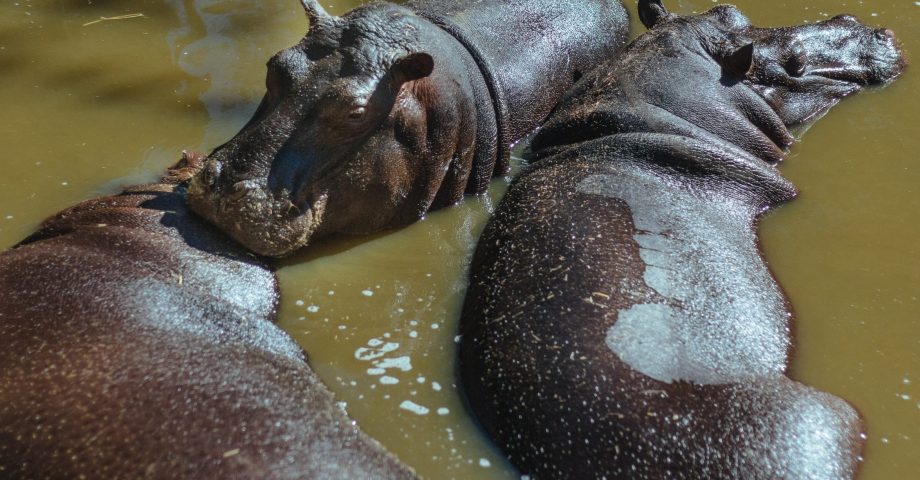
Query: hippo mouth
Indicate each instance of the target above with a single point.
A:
(269, 225)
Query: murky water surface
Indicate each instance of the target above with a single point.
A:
(87, 108)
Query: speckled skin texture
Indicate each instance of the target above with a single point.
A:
(138, 342)
(388, 112)
(620, 321)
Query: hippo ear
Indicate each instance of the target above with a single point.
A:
(740, 61)
(315, 12)
(651, 11)
(412, 67)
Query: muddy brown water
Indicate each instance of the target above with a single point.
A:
(88, 108)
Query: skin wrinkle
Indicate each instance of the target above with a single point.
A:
(620, 321)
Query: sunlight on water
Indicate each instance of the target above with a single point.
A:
(88, 109)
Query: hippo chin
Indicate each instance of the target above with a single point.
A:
(387, 112)
(620, 321)
(138, 342)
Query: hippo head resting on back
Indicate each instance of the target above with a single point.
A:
(717, 78)
(380, 115)
(316, 142)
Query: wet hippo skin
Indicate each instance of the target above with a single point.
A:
(620, 321)
(138, 342)
(387, 112)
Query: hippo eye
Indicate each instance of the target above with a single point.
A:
(798, 60)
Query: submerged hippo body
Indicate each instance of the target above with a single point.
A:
(620, 321)
(138, 342)
(387, 112)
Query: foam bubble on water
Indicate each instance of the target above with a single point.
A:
(375, 342)
(313, 308)
(414, 407)
(299, 303)
(376, 371)
(435, 326)
(403, 363)
(443, 411)
(436, 386)
(367, 354)
(484, 463)
(413, 334)
(367, 293)
(388, 380)
(420, 379)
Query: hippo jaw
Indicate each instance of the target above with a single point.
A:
(269, 225)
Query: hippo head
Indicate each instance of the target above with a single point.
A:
(800, 71)
(715, 77)
(359, 130)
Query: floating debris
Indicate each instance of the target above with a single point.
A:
(119, 17)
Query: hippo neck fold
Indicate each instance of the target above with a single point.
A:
(495, 115)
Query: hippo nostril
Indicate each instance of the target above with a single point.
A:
(884, 34)
(241, 190)
(211, 173)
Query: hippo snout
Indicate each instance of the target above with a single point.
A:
(887, 58)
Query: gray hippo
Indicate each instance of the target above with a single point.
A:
(138, 342)
(387, 112)
(621, 322)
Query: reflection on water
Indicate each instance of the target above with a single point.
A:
(378, 317)
(87, 109)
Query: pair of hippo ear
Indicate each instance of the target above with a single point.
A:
(412, 66)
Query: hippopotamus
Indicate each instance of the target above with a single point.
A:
(620, 321)
(138, 342)
(381, 115)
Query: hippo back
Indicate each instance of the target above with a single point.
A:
(138, 343)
